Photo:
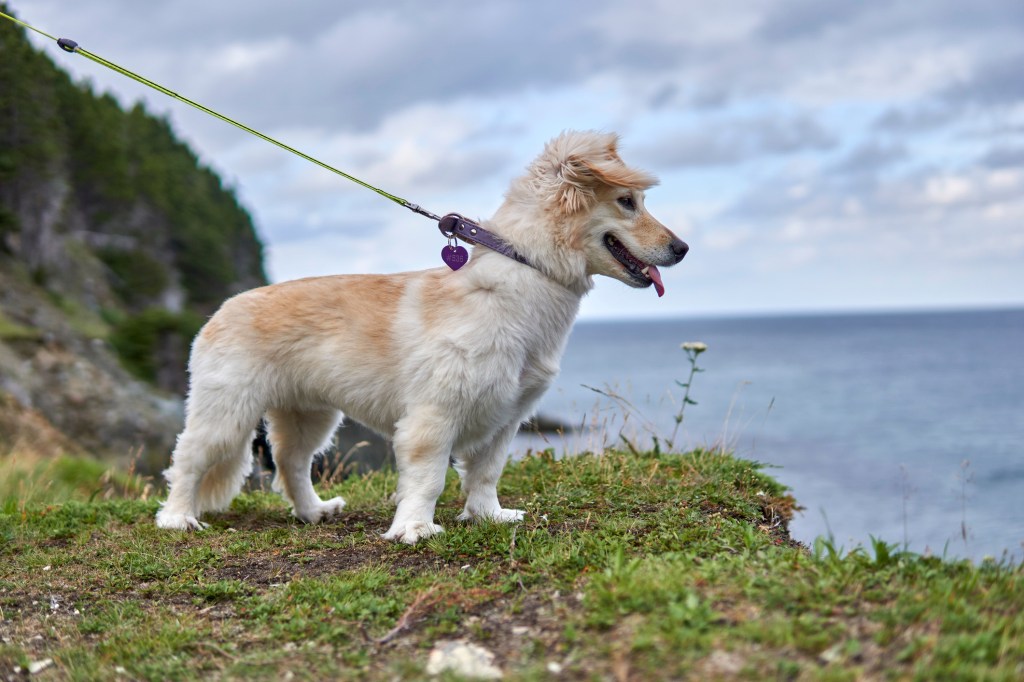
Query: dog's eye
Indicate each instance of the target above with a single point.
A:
(627, 203)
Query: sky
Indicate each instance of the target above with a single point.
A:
(816, 155)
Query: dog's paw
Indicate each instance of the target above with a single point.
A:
(179, 522)
(509, 516)
(411, 533)
(322, 511)
(497, 515)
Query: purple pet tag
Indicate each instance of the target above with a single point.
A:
(454, 256)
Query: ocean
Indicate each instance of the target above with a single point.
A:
(907, 427)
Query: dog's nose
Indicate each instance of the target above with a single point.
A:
(679, 248)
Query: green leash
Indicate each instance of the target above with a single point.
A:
(69, 45)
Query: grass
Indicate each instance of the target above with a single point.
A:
(12, 331)
(30, 481)
(628, 567)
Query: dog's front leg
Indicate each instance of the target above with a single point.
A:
(423, 443)
(480, 469)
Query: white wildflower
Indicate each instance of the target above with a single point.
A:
(696, 346)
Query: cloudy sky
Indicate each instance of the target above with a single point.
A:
(816, 155)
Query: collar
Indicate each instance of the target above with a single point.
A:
(455, 226)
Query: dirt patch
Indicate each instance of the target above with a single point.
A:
(535, 617)
(261, 569)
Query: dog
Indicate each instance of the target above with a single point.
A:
(445, 363)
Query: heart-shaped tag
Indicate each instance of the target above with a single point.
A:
(454, 256)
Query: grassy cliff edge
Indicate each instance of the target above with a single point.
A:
(627, 567)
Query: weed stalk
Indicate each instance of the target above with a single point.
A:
(692, 350)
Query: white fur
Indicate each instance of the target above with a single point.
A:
(456, 361)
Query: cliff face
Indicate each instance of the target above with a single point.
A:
(115, 244)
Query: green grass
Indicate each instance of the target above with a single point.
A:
(29, 481)
(12, 331)
(626, 567)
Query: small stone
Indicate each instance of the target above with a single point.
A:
(463, 658)
(39, 666)
(519, 630)
(554, 667)
(724, 663)
(831, 654)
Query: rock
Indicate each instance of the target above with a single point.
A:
(463, 658)
(832, 654)
(39, 666)
(95, 236)
(723, 664)
(62, 393)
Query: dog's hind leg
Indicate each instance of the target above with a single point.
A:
(295, 437)
(480, 468)
(208, 468)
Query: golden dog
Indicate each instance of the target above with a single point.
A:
(445, 363)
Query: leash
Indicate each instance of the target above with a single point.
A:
(71, 46)
(452, 226)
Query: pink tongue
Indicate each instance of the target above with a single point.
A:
(652, 272)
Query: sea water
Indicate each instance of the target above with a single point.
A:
(908, 427)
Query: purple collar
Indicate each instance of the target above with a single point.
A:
(455, 226)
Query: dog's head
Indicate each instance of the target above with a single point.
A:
(599, 205)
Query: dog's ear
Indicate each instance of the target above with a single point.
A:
(585, 170)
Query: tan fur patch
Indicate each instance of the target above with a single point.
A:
(420, 452)
(359, 308)
(213, 329)
(649, 232)
(617, 174)
(613, 150)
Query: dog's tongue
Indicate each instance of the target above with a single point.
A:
(652, 272)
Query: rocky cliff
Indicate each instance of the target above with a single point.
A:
(115, 244)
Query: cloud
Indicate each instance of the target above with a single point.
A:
(802, 132)
(974, 213)
(807, 18)
(915, 119)
(738, 141)
(1004, 157)
(992, 82)
(871, 157)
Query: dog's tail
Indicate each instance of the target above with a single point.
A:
(263, 454)
(261, 447)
